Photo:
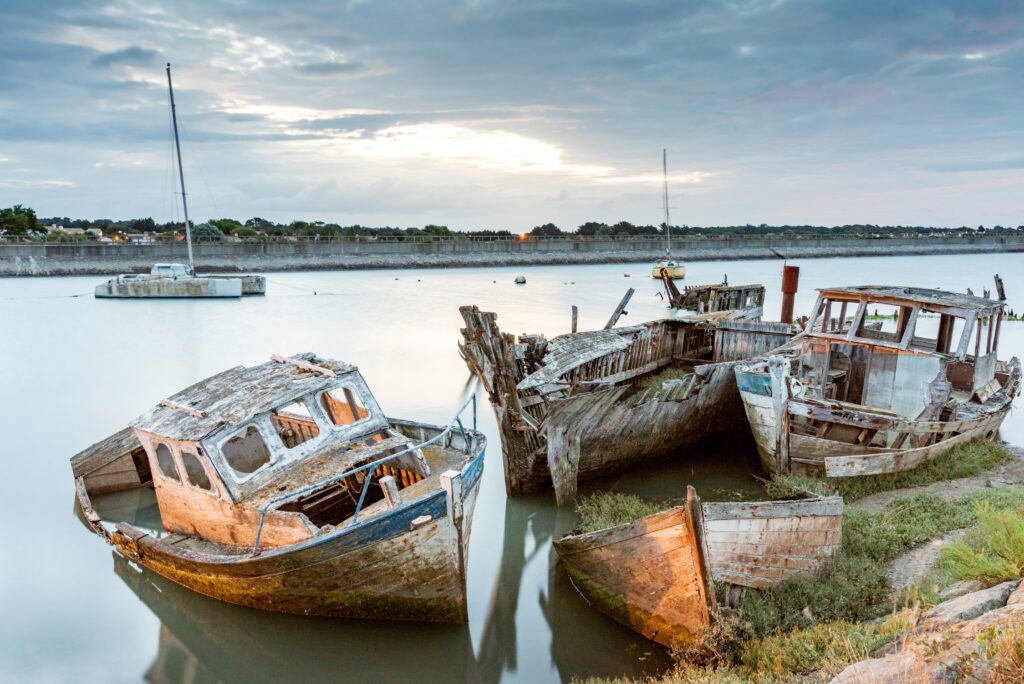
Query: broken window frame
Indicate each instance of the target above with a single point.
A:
(243, 429)
(348, 389)
(203, 466)
(310, 412)
(176, 476)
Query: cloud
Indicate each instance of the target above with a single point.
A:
(134, 56)
(494, 149)
(333, 68)
(34, 183)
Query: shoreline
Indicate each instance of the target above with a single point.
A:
(27, 260)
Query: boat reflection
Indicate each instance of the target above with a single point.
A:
(583, 643)
(202, 639)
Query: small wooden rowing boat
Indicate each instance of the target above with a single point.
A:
(863, 398)
(654, 575)
(589, 403)
(284, 487)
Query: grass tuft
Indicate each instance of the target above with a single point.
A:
(599, 511)
(963, 460)
(994, 554)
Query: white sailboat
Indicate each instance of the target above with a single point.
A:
(667, 267)
(177, 280)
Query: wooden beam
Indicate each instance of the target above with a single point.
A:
(619, 310)
(326, 372)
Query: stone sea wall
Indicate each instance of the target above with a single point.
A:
(27, 259)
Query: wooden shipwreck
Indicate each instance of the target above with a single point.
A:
(655, 575)
(863, 397)
(588, 403)
(284, 487)
(714, 298)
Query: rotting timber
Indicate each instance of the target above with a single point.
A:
(716, 297)
(655, 575)
(588, 403)
(284, 487)
(864, 398)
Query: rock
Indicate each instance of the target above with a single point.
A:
(898, 668)
(958, 589)
(1017, 596)
(970, 606)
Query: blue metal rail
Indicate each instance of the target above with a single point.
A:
(372, 467)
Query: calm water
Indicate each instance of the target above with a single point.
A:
(79, 369)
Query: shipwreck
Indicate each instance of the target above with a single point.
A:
(863, 397)
(655, 575)
(589, 403)
(283, 487)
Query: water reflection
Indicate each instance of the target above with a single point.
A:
(527, 623)
(202, 639)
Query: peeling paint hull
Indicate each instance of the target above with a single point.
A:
(390, 565)
(653, 575)
(570, 409)
(819, 455)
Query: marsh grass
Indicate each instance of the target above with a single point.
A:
(963, 460)
(653, 382)
(856, 587)
(1002, 650)
(993, 553)
(599, 511)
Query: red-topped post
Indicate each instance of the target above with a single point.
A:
(790, 279)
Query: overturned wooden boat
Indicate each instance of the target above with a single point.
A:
(863, 398)
(284, 487)
(589, 403)
(655, 575)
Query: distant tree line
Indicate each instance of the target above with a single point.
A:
(21, 222)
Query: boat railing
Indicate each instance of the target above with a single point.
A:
(371, 467)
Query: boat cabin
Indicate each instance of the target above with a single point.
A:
(901, 349)
(241, 441)
(169, 270)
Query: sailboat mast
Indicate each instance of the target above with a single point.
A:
(668, 226)
(181, 172)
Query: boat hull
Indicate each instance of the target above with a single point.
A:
(653, 575)
(649, 575)
(555, 432)
(668, 272)
(782, 450)
(398, 564)
(123, 287)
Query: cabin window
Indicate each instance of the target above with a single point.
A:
(165, 460)
(294, 424)
(246, 452)
(195, 472)
(343, 405)
(884, 322)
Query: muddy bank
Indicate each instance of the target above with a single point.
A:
(102, 259)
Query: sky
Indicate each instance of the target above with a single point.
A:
(505, 115)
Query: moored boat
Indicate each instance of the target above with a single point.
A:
(654, 575)
(284, 487)
(589, 403)
(863, 397)
(176, 281)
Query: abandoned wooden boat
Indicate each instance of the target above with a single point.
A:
(655, 575)
(284, 487)
(175, 281)
(862, 399)
(720, 297)
(589, 403)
